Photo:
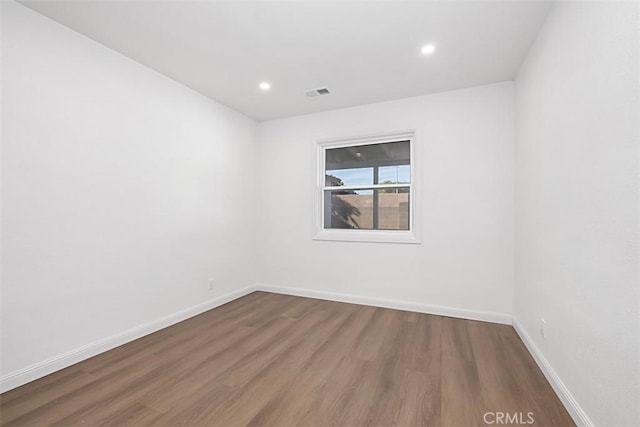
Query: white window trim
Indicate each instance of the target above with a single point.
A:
(381, 236)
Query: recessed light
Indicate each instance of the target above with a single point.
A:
(427, 49)
(265, 86)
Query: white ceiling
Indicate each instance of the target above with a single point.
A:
(363, 51)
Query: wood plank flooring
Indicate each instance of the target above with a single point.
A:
(269, 359)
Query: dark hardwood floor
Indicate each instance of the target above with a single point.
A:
(269, 359)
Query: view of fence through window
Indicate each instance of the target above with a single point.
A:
(368, 186)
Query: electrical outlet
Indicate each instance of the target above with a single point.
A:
(211, 284)
(543, 328)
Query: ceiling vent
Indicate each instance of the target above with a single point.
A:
(317, 92)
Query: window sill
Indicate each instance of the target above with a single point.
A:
(368, 236)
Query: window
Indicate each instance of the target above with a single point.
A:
(366, 190)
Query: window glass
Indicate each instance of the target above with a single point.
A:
(340, 177)
(400, 174)
(368, 164)
(379, 209)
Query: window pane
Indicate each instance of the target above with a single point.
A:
(338, 177)
(382, 209)
(361, 164)
(400, 174)
(348, 209)
(393, 209)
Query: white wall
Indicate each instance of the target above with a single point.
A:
(465, 146)
(122, 192)
(577, 199)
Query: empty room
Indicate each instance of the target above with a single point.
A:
(319, 213)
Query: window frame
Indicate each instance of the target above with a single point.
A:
(412, 235)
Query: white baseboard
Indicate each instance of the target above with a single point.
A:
(46, 367)
(575, 410)
(462, 313)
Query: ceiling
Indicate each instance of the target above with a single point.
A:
(364, 52)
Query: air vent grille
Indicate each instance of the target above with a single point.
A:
(317, 92)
